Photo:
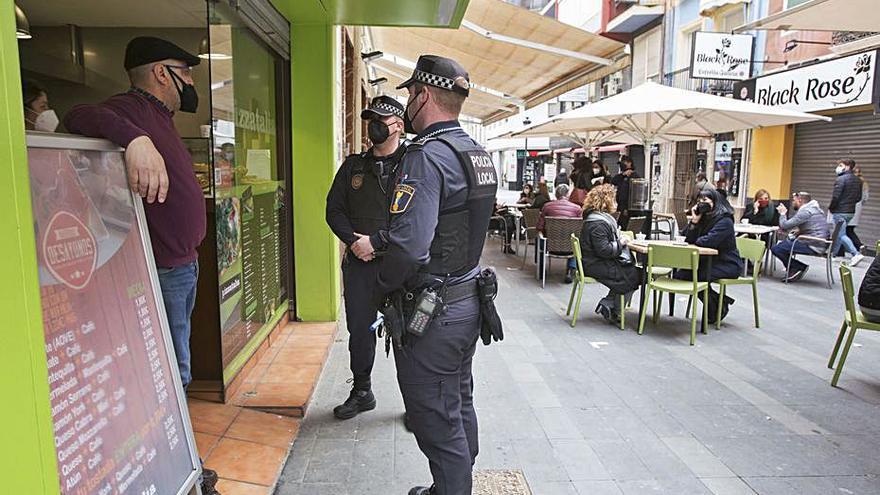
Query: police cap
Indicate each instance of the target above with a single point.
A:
(145, 50)
(383, 106)
(440, 72)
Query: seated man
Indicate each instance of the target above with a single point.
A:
(561, 207)
(869, 292)
(809, 220)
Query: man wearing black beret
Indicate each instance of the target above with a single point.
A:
(159, 168)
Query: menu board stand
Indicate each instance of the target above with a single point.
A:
(121, 423)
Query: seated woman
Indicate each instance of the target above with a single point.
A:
(605, 255)
(527, 195)
(711, 226)
(869, 292)
(543, 196)
(762, 211)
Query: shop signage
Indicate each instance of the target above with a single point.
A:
(736, 156)
(700, 160)
(722, 151)
(722, 56)
(119, 416)
(839, 83)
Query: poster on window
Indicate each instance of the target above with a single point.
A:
(118, 410)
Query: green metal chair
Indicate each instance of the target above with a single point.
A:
(675, 257)
(853, 318)
(578, 287)
(752, 250)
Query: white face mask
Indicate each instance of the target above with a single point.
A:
(597, 170)
(840, 169)
(46, 121)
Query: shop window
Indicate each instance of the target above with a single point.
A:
(794, 3)
(348, 105)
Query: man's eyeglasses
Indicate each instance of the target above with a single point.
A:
(184, 70)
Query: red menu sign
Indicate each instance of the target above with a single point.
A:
(120, 423)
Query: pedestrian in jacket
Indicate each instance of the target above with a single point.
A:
(869, 292)
(845, 196)
(762, 211)
(604, 252)
(857, 216)
(622, 182)
(711, 226)
(808, 220)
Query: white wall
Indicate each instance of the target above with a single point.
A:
(585, 14)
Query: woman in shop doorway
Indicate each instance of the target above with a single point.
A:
(852, 224)
(37, 114)
(711, 226)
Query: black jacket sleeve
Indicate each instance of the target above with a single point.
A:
(836, 193)
(337, 214)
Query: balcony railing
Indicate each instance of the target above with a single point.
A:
(681, 79)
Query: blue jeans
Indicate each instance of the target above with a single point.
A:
(179, 293)
(848, 245)
(782, 250)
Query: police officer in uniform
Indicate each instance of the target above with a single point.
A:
(439, 215)
(357, 212)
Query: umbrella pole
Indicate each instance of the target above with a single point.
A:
(649, 168)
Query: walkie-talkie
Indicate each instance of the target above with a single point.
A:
(425, 310)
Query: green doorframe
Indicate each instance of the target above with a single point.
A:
(27, 454)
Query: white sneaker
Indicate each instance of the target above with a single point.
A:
(855, 260)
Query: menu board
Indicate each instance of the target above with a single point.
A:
(120, 422)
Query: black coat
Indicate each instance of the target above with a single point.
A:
(600, 253)
(767, 215)
(847, 192)
(869, 292)
(717, 234)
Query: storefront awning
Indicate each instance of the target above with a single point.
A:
(634, 19)
(517, 57)
(708, 7)
(822, 15)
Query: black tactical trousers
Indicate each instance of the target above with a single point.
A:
(359, 281)
(434, 374)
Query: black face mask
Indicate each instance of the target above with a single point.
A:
(408, 121)
(378, 131)
(703, 208)
(189, 99)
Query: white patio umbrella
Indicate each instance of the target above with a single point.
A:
(652, 113)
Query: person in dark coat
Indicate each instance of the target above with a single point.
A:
(542, 197)
(869, 292)
(711, 226)
(604, 252)
(762, 211)
(622, 181)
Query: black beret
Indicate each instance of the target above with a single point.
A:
(440, 72)
(147, 49)
(383, 106)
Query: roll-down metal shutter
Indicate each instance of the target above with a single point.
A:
(818, 146)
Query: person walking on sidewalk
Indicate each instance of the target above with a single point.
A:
(845, 196)
(439, 216)
(160, 170)
(357, 213)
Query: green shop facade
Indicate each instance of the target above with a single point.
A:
(268, 256)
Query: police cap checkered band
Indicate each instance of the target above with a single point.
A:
(383, 106)
(439, 72)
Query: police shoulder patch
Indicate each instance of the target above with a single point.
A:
(357, 181)
(403, 195)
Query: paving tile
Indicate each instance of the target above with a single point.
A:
(211, 417)
(205, 442)
(580, 460)
(280, 394)
(330, 461)
(264, 428)
(810, 485)
(697, 457)
(727, 486)
(229, 487)
(557, 423)
(596, 488)
(246, 461)
(553, 488)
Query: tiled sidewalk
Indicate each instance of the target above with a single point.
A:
(245, 441)
(592, 410)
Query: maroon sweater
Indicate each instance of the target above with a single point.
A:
(176, 226)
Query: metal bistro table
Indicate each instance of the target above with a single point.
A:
(641, 250)
(760, 230)
(516, 211)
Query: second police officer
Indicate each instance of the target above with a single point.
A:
(357, 212)
(440, 211)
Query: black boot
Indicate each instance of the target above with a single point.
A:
(209, 479)
(569, 275)
(422, 490)
(359, 400)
